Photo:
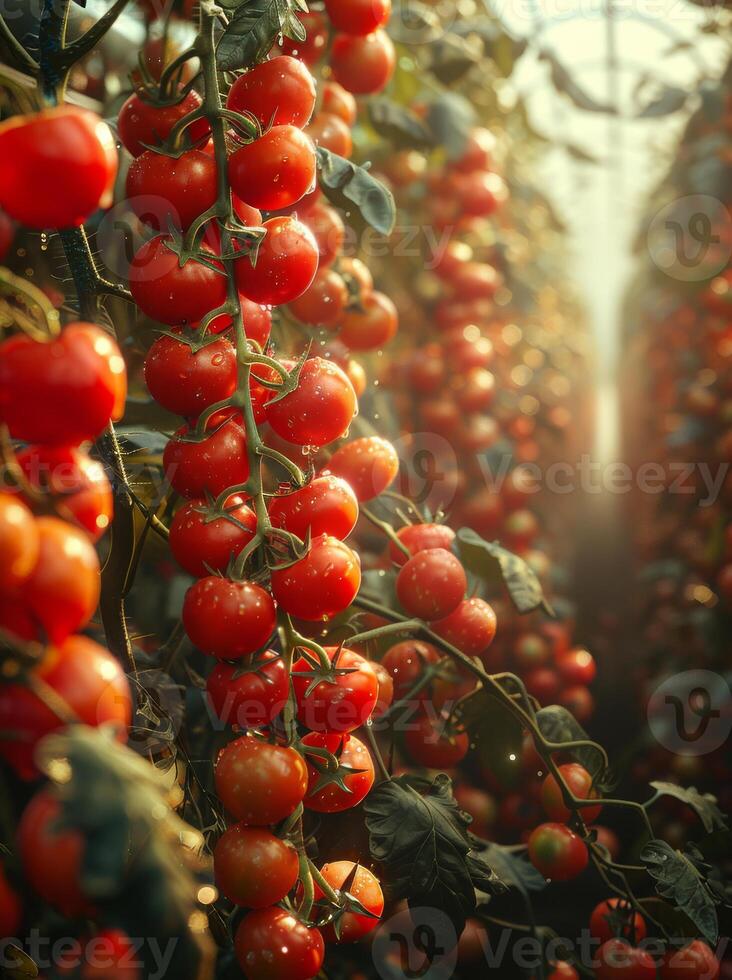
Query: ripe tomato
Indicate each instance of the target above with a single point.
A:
(365, 888)
(88, 679)
(557, 852)
(385, 694)
(82, 370)
(228, 619)
(323, 302)
(313, 47)
(579, 701)
(11, 911)
(542, 683)
(326, 505)
(212, 465)
(273, 944)
(431, 746)
(479, 193)
(253, 698)
(162, 189)
(203, 540)
(356, 272)
(260, 783)
(406, 662)
(616, 958)
(184, 379)
(356, 773)
(51, 857)
(694, 962)
(330, 131)
(417, 537)
(275, 170)
(320, 585)
(480, 806)
(431, 584)
(142, 124)
(319, 410)
(471, 627)
(7, 235)
(358, 16)
(254, 868)
(577, 667)
(340, 704)
(474, 392)
(475, 280)
(615, 918)
(57, 166)
(111, 955)
(478, 152)
(372, 326)
(357, 376)
(563, 971)
(257, 320)
(337, 101)
(286, 263)
(19, 541)
(329, 232)
(579, 782)
(170, 293)
(363, 65)
(369, 465)
(77, 483)
(280, 92)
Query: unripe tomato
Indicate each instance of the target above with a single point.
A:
(365, 888)
(557, 852)
(51, 857)
(142, 124)
(327, 796)
(338, 102)
(57, 166)
(579, 782)
(329, 232)
(260, 783)
(617, 912)
(62, 392)
(372, 326)
(694, 962)
(471, 626)
(618, 959)
(363, 65)
(320, 585)
(417, 537)
(406, 662)
(430, 745)
(88, 679)
(323, 302)
(326, 505)
(202, 542)
(340, 703)
(210, 465)
(431, 584)
(330, 131)
(19, 542)
(369, 465)
(319, 410)
(275, 170)
(228, 619)
(170, 293)
(254, 868)
(186, 379)
(280, 92)
(273, 944)
(358, 16)
(286, 263)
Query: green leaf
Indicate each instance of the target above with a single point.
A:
(683, 884)
(670, 100)
(253, 30)
(557, 724)
(486, 558)
(398, 124)
(419, 832)
(704, 805)
(343, 181)
(497, 734)
(564, 83)
(450, 118)
(514, 869)
(453, 56)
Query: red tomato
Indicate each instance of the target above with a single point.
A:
(111, 955)
(254, 868)
(326, 505)
(338, 704)
(385, 694)
(57, 166)
(186, 379)
(474, 391)
(280, 92)
(431, 746)
(372, 326)
(478, 152)
(369, 465)
(275, 170)
(257, 320)
(260, 783)
(170, 293)
(212, 465)
(51, 857)
(7, 235)
(252, 698)
(320, 585)
(89, 680)
(337, 101)
(431, 584)
(142, 124)
(203, 542)
(365, 888)
(78, 484)
(542, 683)
(480, 806)
(357, 376)
(330, 131)
(475, 280)
(329, 232)
(81, 370)
(162, 189)
(471, 627)
(479, 193)
(417, 537)
(579, 701)
(615, 917)
(319, 410)
(286, 263)
(11, 911)
(577, 667)
(313, 47)
(324, 794)
(406, 662)
(563, 971)
(694, 962)
(19, 542)
(358, 16)
(579, 782)
(363, 65)
(557, 852)
(323, 302)
(356, 272)
(273, 944)
(616, 958)
(228, 619)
